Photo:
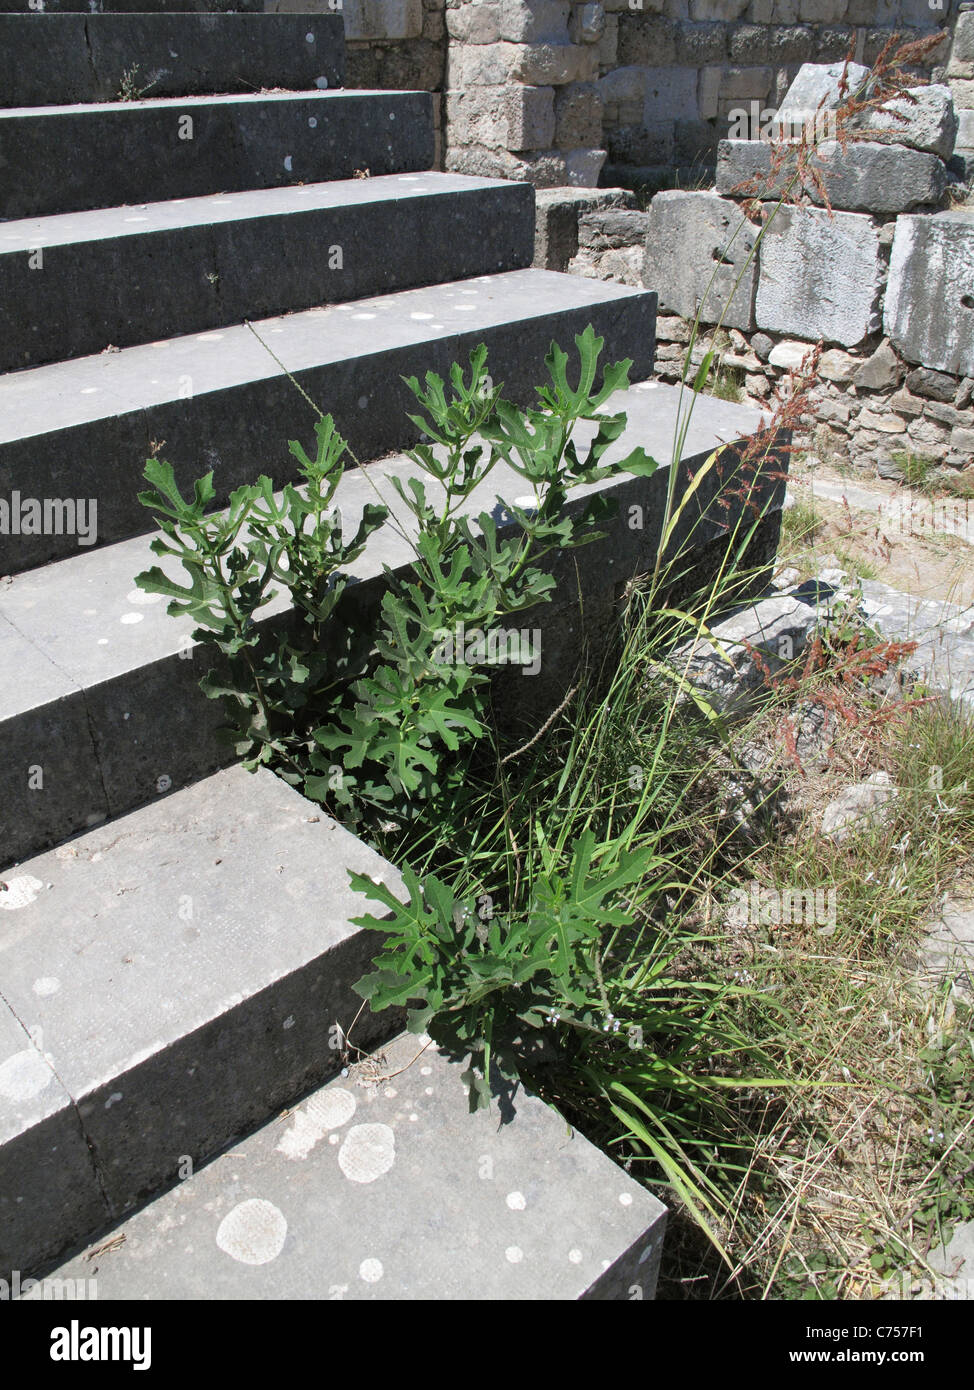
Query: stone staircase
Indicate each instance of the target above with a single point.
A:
(175, 938)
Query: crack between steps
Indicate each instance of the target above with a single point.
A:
(91, 56)
(95, 753)
(89, 1144)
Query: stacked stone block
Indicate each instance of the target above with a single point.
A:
(891, 298)
(631, 92)
(960, 75)
(522, 95)
(676, 74)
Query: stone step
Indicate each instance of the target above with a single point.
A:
(54, 157)
(67, 58)
(384, 1187)
(129, 6)
(100, 708)
(81, 282)
(167, 982)
(82, 429)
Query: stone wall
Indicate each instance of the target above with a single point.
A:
(675, 72)
(545, 90)
(634, 93)
(885, 280)
(523, 96)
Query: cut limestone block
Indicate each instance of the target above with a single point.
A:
(185, 968)
(963, 46)
(532, 64)
(389, 1189)
(965, 131)
(821, 276)
(49, 1193)
(817, 89)
(53, 157)
(744, 169)
(929, 312)
(944, 633)
(578, 117)
(509, 117)
(691, 236)
(732, 669)
(924, 120)
(76, 283)
(48, 59)
(864, 177)
(487, 21)
(557, 213)
(868, 177)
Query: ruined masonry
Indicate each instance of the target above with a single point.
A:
(176, 946)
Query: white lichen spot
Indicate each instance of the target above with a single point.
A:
(113, 1099)
(368, 1152)
(371, 1271)
(575, 1256)
(329, 1109)
(288, 163)
(625, 1198)
(391, 1093)
(426, 1071)
(515, 1200)
(514, 1254)
(19, 891)
(140, 596)
(129, 619)
(47, 984)
(253, 1232)
(24, 1075)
